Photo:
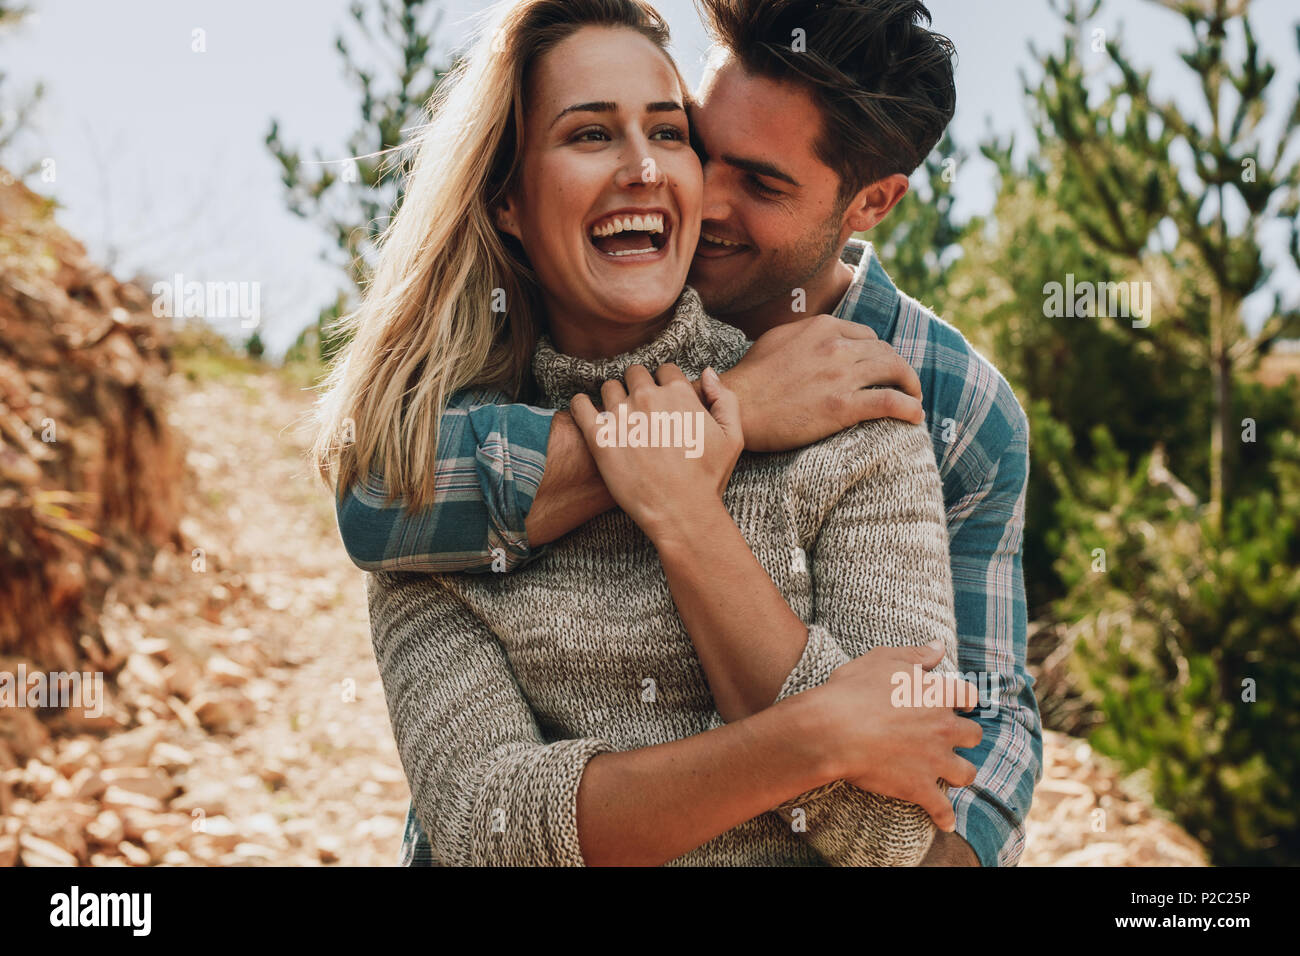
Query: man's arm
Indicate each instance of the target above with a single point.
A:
(491, 459)
(986, 529)
(572, 491)
(512, 478)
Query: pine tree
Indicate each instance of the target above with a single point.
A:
(1182, 617)
(15, 116)
(1120, 183)
(354, 199)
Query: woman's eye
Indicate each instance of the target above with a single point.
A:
(592, 134)
(672, 133)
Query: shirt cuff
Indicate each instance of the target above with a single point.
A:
(985, 829)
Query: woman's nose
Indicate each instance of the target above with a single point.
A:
(638, 168)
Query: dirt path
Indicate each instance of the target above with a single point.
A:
(245, 722)
(315, 776)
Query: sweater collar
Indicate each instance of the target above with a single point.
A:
(692, 340)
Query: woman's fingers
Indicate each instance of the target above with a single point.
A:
(584, 415)
(959, 772)
(722, 404)
(638, 377)
(612, 394)
(669, 373)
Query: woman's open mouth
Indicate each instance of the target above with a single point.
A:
(631, 236)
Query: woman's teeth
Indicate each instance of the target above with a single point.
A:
(630, 236)
(650, 223)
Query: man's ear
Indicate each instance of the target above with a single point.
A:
(874, 201)
(507, 218)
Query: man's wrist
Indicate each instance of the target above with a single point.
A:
(950, 849)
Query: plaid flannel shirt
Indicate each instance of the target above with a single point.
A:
(492, 453)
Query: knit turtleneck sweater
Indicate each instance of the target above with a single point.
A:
(501, 687)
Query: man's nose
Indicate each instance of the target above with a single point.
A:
(716, 204)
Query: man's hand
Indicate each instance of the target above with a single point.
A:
(899, 750)
(806, 380)
(949, 849)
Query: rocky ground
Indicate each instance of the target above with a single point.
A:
(248, 725)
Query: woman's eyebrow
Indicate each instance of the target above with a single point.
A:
(607, 106)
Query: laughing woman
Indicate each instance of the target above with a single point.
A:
(675, 681)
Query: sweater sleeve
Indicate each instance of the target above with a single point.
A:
(881, 577)
(488, 788)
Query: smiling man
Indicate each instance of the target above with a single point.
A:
(811, 116)
(810, 119)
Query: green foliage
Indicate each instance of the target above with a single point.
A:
(1177, 626)
(16, 112)
(917, 241)
(1112, 149)
(1138, 454)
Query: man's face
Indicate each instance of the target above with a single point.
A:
(765, 190)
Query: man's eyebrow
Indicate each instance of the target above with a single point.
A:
(761, 168)
(606, 106)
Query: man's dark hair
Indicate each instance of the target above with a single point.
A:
(883, 81)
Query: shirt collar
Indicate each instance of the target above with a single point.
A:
(872, 298)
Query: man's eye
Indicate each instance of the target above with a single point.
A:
(765, 191)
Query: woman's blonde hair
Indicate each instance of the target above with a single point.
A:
(452, 302)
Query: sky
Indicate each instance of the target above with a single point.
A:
(159, 165)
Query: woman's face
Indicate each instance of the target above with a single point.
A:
(607, 204)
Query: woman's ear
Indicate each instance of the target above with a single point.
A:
(507, 220)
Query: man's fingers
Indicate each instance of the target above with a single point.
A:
(638, 377)
(881, 365)
(853, 330)
(870, 404)
(936, 803)
(959, 772)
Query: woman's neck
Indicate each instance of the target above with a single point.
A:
(690, 340)
(597, 338)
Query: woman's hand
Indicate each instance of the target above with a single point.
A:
(666, 458)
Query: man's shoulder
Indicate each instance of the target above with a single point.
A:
(959, 385)
(970, 405)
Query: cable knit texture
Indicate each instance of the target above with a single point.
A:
(502, 686)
